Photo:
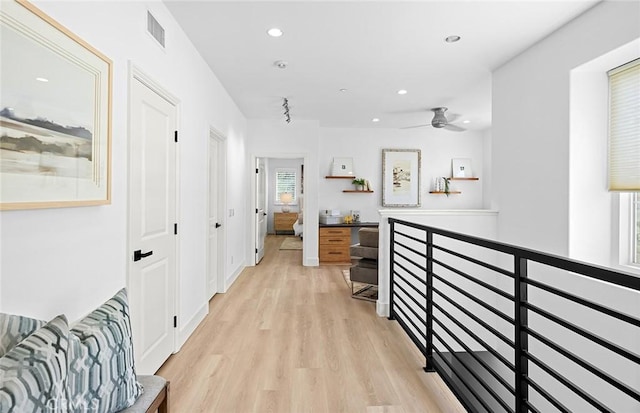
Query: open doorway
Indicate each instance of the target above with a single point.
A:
(279, 200)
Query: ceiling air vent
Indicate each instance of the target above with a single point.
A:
(154, 28)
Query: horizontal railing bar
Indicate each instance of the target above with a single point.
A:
(475, 280)
(414, 312)
(415, 251)
(455, 371)
(475, 356)
(420, 267)
(401, 276)
(423, 335)
(588, 335)
(476, 261)
(474, 374)
(476, 319)
(473, 335)
(595, 306)
(575, 389)
(588, 270)
(547, 396)
(475, 299)
(584, 364)
(531, 407)
(420, 305)
(411, 237)
(405, 327)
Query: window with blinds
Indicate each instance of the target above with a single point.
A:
(624, 127)
(285, 184)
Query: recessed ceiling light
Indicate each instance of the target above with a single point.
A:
(402, 92)
(274, 32)
(466, 121)
(41, 79)
(452, 39)
(343, 90)
(375, 120)
(280, 64)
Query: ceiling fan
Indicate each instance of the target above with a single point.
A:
(440, 121)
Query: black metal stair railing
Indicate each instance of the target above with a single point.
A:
(516, 330)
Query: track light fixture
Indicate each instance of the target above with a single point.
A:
(285, 105)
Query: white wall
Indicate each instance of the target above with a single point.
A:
(531, 125)
(276, 139)
(72, 259)
(365, 146)
(548, 171)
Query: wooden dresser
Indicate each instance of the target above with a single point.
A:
(334, 245)
(283, 221)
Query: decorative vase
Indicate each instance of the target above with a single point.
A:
(359, 187)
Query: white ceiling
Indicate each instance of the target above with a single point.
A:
(370, 48)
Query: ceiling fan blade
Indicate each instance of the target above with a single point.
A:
(454, 128)
(416, 126)
(452, 117)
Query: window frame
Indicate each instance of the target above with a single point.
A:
(276, 191)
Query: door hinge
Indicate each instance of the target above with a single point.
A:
(176, 136)
(256, 250)
(257, 171)
(256, 210)
(175, 321)
(175, 229)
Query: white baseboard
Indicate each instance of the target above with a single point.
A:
(382, 309)
(228, 282)
(190, 326)
(311, 262)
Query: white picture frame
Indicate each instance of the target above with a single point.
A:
(342, 167)
(461, 168)
(401, 177)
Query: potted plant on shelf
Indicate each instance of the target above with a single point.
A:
(447, 189)
(359, 183)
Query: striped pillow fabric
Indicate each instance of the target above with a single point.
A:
(102, 376)
(14, 329)
(33, 374)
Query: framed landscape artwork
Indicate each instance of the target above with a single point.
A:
(401, 177)
(55, 114)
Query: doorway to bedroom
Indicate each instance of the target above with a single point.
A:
(279, 203)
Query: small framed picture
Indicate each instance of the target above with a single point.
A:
(461, 168)
(342, 167)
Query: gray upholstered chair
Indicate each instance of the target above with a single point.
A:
(365, 269)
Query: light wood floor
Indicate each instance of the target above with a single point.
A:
(288, 338)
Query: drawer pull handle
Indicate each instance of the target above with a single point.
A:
(335, 253)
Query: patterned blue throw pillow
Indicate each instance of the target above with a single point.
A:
(14, 329)
(102, 377)
(33, 374)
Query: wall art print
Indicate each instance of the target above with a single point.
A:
(401, 177)
(55, 114)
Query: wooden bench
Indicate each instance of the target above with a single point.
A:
(154, 398)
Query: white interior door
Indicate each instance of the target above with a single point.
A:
(261, 208)
(152, 215)
(214, 217)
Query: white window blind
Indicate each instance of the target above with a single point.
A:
(624, 127)
(285, 183)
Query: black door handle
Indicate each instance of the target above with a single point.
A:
(138, 255)
(264, 214)
(218, 225)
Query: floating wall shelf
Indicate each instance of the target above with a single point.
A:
(442, 192)
(353, 191)
(464, 179)
(339, 177)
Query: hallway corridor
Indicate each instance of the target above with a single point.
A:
(288, 338)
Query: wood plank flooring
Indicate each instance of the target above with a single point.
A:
(288, 338)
